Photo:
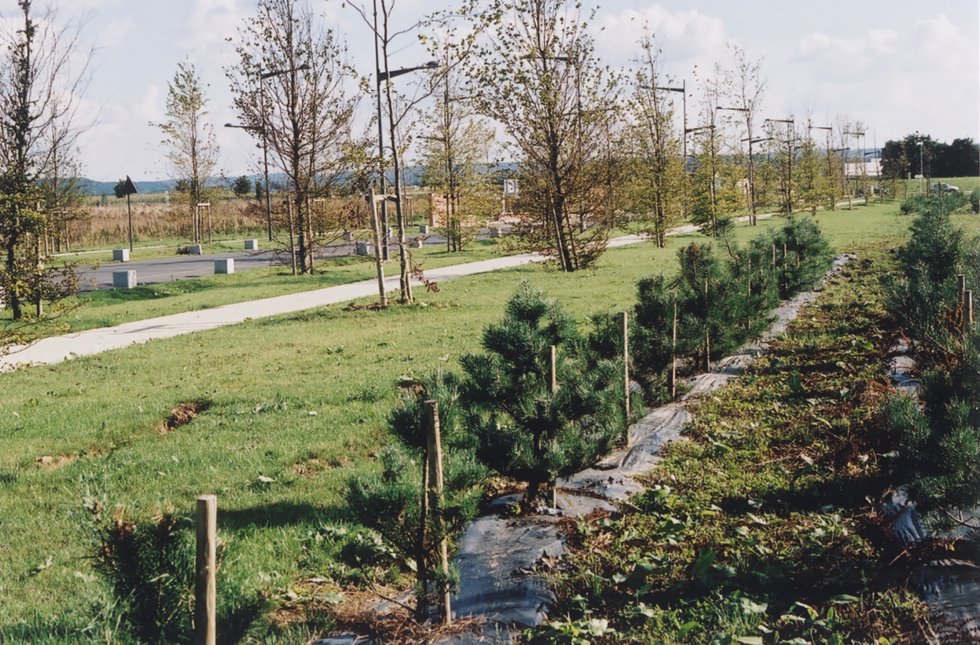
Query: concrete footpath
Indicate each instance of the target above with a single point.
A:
(94, 341)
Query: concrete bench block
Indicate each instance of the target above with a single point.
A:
(494, 232)
(417, 243)
(124, 279)
(224, 267)
(195, 249)
(251, 245)
(120, 255)
(363, 248)
(424, 230)
(348, 236)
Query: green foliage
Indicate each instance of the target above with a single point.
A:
(752, 531)
(975, 200)
(243, 186)
(719, 303)
(939, 443)
(524, 430)
(391, 503)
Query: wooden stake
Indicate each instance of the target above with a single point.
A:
(553, 386)
(626, 365)
(292, 234)
(964, 318)
(205, 585)
(968, 310)
(707, 331)
(379, 264)
(673, 357)
(435, 468)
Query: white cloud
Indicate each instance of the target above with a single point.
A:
(688, 36)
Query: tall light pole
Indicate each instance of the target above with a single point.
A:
(263, 131)
(789, 150)
(922, 167)
(748, 127)
(380, 77)
(265, 167)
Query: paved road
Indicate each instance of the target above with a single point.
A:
(94, 341)
(197, 266)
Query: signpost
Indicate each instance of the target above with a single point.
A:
(129, 188)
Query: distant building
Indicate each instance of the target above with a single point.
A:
(870, 168)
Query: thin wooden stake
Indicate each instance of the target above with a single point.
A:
(379, 264)
(292, 234)
(964, 317)
(707, 331)
(626, 365)
(205, 584)
(435, 468)
(673, 357)
(553, 386)
(968, 313)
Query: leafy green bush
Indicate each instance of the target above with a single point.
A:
(975, 200)
(524, 430)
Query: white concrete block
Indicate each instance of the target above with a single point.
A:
(424, 230)
(494, 232)
(120, 255)
(195, 249)
(124, 279)
(364, 248)
(224, 267)
(251, 245)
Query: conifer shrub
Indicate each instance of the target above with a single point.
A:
(721, 302)
(522, 429)
(391, 502)
(803, 255)
(149, 565)
(938, 441)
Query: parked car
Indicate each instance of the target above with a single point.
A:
(942, 187)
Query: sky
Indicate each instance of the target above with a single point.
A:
(898, 66)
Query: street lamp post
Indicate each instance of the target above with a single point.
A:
(387, 76)
(748, 127)
(265, 168)
(860, 135)
(922, 170)
(789, 173)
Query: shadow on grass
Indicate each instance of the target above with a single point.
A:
(279, 514)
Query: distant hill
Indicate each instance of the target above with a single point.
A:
(412, 176)
(92, 187)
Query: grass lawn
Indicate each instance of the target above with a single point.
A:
(295, 405)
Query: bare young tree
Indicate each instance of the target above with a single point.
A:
(749, 87)
(190, 144)
(454, 155)
(293, 88)
(657, 173)
(555, 101)
(397, 111)
(44, 73)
